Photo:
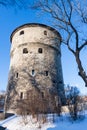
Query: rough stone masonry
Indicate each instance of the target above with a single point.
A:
(35, 62)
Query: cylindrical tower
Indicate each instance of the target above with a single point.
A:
(35, 63)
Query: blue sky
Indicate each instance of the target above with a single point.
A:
(9, 20)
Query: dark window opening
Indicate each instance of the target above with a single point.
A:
(33, 81)
(22, 32)
(46, 73)
(16, 75)
(10, 87)
(40, 50)
(45, 32)
(60, 82)
(21, 95)
(33, 72)
(25, 50)
(54, 81)
(42, 93)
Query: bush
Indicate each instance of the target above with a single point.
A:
(74, 102)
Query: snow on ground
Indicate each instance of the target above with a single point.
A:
(16, 123)
(61, 123)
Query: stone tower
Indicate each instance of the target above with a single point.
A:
(35, 63)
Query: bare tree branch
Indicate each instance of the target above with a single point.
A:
(65, 21)
(83, 45)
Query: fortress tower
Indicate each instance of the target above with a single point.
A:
(35, 63)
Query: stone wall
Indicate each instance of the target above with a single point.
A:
(35, 62)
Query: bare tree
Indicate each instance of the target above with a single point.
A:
(68, 17)
(74, 102)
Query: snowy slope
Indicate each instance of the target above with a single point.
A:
(62, 123)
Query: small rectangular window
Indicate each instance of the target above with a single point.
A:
(42, 93)
(60, 82)
(16, 75)
(40, 50)
(33, 72)
(45, 32)
(46, 73)
(54, 81)
(10, 87)
(21, 95)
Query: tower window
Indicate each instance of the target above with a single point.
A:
(16, 75)
(46, 73)
(22, 32)
(21, 95)
(33, 72)
(40, 50)
(42, 93)
(10, 87)
(25, 50)
(60, 82)
(45, 32)
(54, 81)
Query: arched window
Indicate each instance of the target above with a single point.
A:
(25, 50)
(45, 32)
(22, 32)
(40, 50)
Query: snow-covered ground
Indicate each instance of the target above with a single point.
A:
(61, 123)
